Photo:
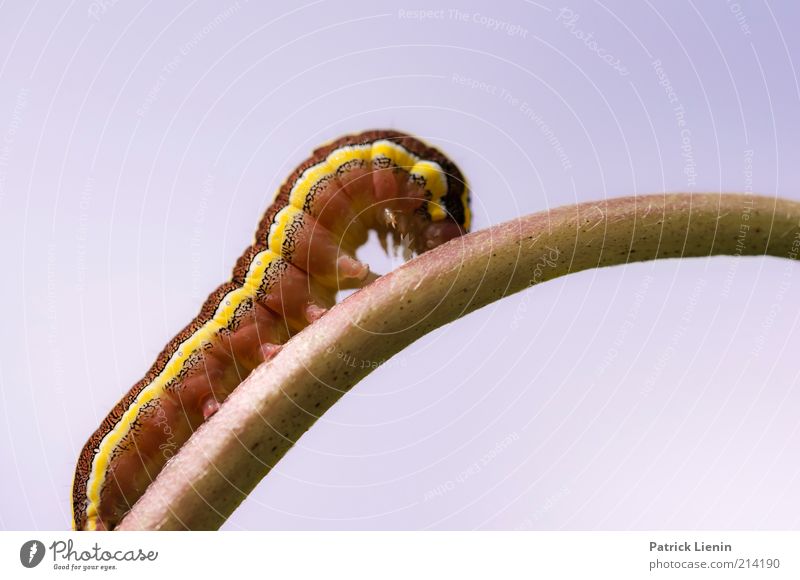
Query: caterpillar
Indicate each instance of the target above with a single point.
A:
(303, 253)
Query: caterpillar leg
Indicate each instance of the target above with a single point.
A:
(352, 270)
(314, 312)
(296, 297)
(269, 350)
(438, 233)
(210, 406)
(301, 240)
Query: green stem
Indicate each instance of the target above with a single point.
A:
(266, 415)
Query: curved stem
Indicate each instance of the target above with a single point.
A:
(264, 417)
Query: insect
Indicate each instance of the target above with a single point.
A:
(303, 253)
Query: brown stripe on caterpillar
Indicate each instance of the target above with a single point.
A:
(379, 179)
(92, 446)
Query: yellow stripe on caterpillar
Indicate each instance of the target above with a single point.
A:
(397, 154)
(277, 231)
(307, 180)
(344, 155)
(436, 184)
(258, 269)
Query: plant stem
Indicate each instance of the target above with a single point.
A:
(280, 400)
